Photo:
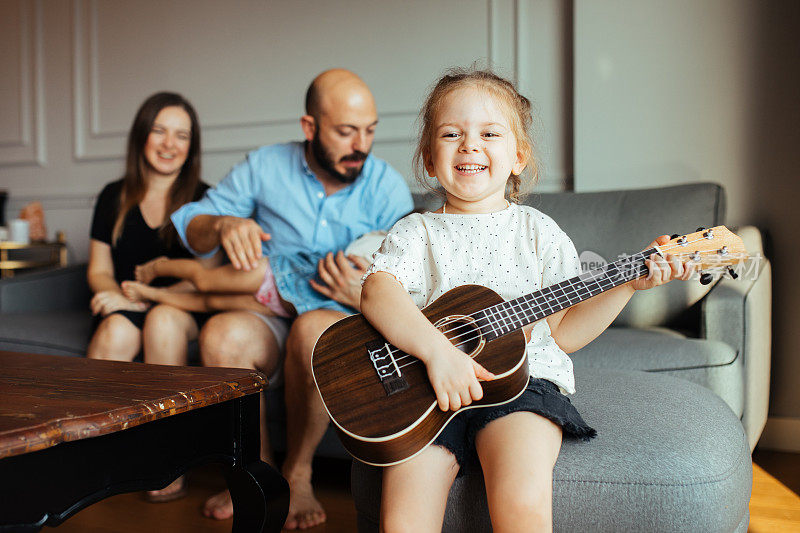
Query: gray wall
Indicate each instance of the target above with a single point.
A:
(631, 93)
(72, 75)
(687, 90)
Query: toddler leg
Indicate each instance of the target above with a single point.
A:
(193, 301)
(414, 494)
(188, 301)
(220, 279)
(517, 454)
(147, 272)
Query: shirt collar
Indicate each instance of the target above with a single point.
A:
(306, 168)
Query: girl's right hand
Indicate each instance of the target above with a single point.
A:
(106, 302)
(454, 376)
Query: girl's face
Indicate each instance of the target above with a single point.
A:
(168, 143)
(473, 150)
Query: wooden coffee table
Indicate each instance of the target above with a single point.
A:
(74, 431)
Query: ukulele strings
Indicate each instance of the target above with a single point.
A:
(596, 277)
(514, 307)
(498, 321)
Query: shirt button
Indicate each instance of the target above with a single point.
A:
(323, 222)
(320, 194)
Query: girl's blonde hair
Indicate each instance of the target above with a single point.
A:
(518, 110)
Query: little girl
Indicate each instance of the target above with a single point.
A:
(475, 142)
(280, 286)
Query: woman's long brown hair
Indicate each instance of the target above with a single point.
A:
(133, 185)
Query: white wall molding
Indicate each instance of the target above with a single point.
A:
(93, 142)
(781, 433)
(51, 202)
(29, 147)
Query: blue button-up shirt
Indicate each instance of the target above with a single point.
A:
(276, 188)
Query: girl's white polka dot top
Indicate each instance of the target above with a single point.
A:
(513, 252)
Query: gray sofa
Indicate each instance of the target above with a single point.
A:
(677, 387)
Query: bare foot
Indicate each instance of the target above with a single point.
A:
(146, 272)
(173, 491)
(304, 509)
(138, 292)
(219, 506)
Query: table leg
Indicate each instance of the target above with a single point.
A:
(260, 494)
(260, 498)
(146, 457)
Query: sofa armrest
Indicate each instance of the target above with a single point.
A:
(739, 313)
(58, 289)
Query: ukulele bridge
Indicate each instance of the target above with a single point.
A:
(384, 358)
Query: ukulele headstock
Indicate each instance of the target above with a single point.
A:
(714, 250)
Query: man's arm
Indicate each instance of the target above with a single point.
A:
(221, 217)
(240, 237)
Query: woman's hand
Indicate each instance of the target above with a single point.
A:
(342, 277)
(663, 269)
(454, 376)
(106, 302)
(241, 238)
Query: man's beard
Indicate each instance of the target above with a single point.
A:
(327, 163)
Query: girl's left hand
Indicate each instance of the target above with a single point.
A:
(663, 269)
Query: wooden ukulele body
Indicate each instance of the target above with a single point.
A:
(381, 428)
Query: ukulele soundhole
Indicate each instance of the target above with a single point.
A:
(463, 332)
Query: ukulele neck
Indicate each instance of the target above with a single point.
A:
(505, 317)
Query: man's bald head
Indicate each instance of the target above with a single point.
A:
(339, 125)
(336, 87)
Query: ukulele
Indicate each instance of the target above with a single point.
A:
(380, 399)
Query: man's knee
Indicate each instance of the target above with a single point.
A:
(240, 340)
(307, 328)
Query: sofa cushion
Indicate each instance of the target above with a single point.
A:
(669, 456)
(47, 332)
(712, 364)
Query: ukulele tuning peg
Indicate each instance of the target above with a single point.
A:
(705, 279)
(701, 228)
(674, 236)
(732, 273)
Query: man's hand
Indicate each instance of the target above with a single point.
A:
(342, 279)
(106, 302)
(241, 238)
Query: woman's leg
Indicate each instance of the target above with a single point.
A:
(517, 454)
(219, 279)
(414, 494)
(116, 338)
(166, 335)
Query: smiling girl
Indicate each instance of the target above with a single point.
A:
(475, 142)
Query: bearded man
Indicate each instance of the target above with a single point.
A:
(306, 200)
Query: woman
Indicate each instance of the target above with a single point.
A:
(131, 226)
